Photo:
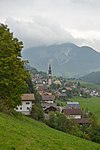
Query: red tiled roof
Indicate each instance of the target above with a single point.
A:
(26, 97)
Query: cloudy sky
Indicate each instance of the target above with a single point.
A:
(40, 22)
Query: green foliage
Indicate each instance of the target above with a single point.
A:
(78, 84)
(60, 122)
(37, 113)
(34, 71)
(69, 94)
(13, 76)
(51, 122)
(93, 130)
(75, 91)
(86, 95)
(30, 88)
(27, 134)
(54, 86)
(60, 102)
(93, 77)
(89, 131)
(94, 133)
(88, 85)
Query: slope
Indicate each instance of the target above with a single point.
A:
(23, 133)
(93, 77)
(66, 59)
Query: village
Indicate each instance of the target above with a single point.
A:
(55, 92)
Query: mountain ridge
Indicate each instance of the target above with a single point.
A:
(93, 77)
(66, 59)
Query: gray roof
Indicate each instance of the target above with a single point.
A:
(46, 105)
(73, 105)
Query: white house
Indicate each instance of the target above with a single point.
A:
(27, 102)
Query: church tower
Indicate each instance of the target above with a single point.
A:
(49, 75)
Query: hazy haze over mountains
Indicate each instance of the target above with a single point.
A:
(66, 59)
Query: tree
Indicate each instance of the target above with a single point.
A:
(78, 84)
(93, 131)
(13, 76)
(30, 88)
(37, 113)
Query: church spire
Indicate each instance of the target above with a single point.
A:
(49, 75)
(49, 71)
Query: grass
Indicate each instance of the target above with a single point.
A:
(24, 133)
(92, 104)
(88, 84)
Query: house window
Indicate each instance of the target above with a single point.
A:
(28, 108)
(27, 103)
(16, 108)
(20, 107)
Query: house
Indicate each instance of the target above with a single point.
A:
(75, 114)
(71, 105)
(48, 98)
(82, 121)
(27, 101)
(50, 108)
(42, 88)
(47, 107)
(94, 93)
(72, 113)
(63, 96)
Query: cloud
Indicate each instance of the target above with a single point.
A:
(38, 22)
(45, 31)
(39, 31)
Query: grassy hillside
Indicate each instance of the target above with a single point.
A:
(93, 104)
(93, 77)
(24, 133)
(90, 85)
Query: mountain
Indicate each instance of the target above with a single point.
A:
(34, 71)
(24, 133)
(93, 77)
(66, 59)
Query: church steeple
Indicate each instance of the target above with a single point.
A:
(49, 75)
(49, 71)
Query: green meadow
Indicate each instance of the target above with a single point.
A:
(23, 133)
(88, 84)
